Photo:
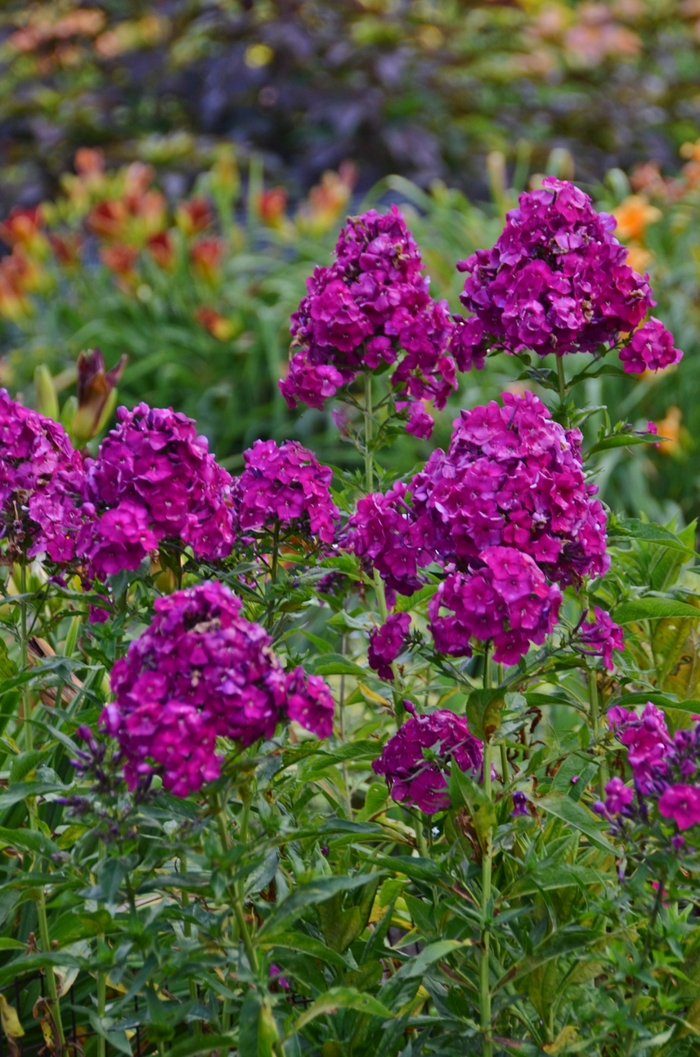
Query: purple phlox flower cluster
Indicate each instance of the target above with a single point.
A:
(650, 349)
(599, 637)
(387, 642)
(369, 308)
(285, 483)
(663, 769)
(519, 804)
(556, 280)
(154, 480)
(383, 533)
(41, 479)
(512, 477)
(504, 597)
(198, 672)
(417, 759)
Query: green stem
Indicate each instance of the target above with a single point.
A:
(32, 807)
(275, 550)
(595, 723)
(420, 837)
(561, 377)
(101, 981)
(187, 925)
(341, 714)
(237, 900)
(486, 871)
(369, 463)
(504, 763)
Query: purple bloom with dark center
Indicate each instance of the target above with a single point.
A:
(682, 804)
(512, 477)
(504, 597)
(556, 281)
(598, 638)
(650, 349)
(154, 480)
(41, 480)
(416, 761)
(198, 672)
(386, 643)
(285, 483)
(519, 804)
(371, 307)
(617, 796)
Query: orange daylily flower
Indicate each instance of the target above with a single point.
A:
(633, 215)
(206, 256)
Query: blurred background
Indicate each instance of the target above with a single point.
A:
(170, 172)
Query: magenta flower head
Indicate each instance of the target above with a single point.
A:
(154, 480)
(384, 534)
(198, 672)
(682, 804)
(370, 308)
(556, 280)
(416, 761)
(650, 349)
(285, 483)
(513, 477)
(618, 796)
(387, 642)
(41, 479)
(647, 740)
(599, 637)
(504, 597)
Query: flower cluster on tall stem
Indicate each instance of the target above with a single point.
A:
(153, 480)
(370, 308)
(41, 480)
(557, 281)
(201, 671)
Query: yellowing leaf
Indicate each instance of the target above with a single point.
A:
(565, 1038)
(10, 1021)
(370, 695)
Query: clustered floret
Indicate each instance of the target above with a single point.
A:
(599, 637)
(154, 480)
(513, 477)
(507, 513)
(383, 532)
(416, 761)
(198, 672)
(556, 281)
(663, 769)
(287, 484)
(41, 478)
(504, 597)
(387, 642)
(650, 349)
(369, 308)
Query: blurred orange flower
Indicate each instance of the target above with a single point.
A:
(206, 256)
(108, 219)
(633, 215)
(217, 325)
(193, 216)
(119, 259)
(272, 205)
(161, 248)
(670, 428)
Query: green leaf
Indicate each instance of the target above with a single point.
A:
(403, 604)
(633, 528)
(575, 814)
(257, 1031)
(341, 926)
(26, 789)
(299, 941)
(660, 700)
(484, 709)
(341, 998)
(310, 894)
(464, 790)
(652, 609)
(617, 440)
(334, 664)
(201, 1044)
(28, 840)
(434, 952)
